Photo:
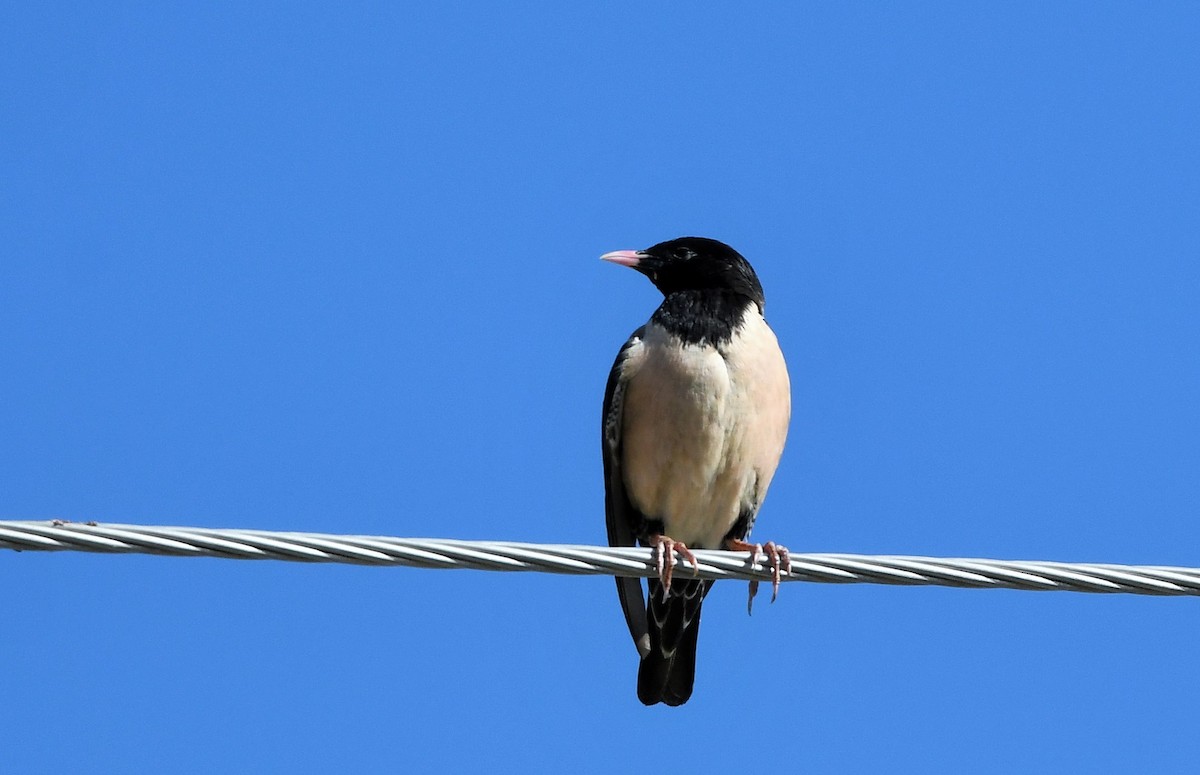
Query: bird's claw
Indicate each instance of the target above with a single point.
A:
(778, 559)
(664, 559)
(781, 562)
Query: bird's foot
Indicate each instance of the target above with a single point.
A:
(664, 559)
(778, 558)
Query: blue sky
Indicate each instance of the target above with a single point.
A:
(333, 268)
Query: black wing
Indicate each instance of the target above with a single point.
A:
(622, 519)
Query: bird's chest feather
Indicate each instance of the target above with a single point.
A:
(703, 429)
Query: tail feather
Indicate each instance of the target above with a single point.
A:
(668, 671)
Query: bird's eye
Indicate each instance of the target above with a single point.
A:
(683, 254)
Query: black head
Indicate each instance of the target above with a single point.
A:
(693, 264)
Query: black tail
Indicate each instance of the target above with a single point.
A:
(669, 670)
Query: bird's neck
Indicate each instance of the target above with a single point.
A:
(703, 317)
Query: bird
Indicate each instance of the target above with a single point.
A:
(696, 413)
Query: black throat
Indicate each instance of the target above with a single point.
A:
(702, 317)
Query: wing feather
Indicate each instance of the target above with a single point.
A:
(622, 519)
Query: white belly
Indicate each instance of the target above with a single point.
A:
(703, 429)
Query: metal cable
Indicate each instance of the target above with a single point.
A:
(590, 560)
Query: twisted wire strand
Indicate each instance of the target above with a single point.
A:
(591, 560)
